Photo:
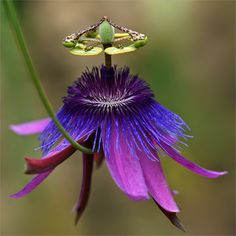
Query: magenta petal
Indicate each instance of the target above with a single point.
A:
(190, 165)
(38, 179)
(157, 184)
(125, 168)
(32, 127)
(31, 185)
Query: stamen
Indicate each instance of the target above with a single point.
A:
(112, 102)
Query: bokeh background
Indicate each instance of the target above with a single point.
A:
(189, 63)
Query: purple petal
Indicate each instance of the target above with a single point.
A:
(157, 184)
(38, 179)
(190, 165)
(32, 127)
(31, 185)
(123, 166)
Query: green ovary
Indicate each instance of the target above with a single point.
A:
(106, 32)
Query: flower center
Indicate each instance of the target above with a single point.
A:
(98, 89)
(103, 101)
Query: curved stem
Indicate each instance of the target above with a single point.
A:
(35, 78)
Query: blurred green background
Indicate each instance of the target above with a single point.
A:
(189, 63)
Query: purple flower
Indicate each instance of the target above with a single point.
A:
(114, 113)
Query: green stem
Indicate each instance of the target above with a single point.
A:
(35, 78)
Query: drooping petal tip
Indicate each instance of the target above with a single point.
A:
(220, 173)
(56, 157)
(31, 185)
(190, 165)
(172, 217)
(28, 128)
(157, 184)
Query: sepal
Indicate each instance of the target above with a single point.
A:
(115, 50)
(139, 43)
(82, 52)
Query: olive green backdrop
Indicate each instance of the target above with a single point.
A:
(189, 63)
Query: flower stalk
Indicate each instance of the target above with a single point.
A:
(11, 12)
(108, 61)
